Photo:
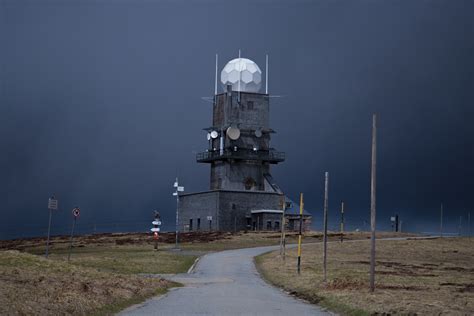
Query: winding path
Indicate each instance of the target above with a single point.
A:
(225, 283)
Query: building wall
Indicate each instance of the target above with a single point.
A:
(199, 205)
(230, 210)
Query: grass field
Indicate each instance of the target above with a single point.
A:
(104, 274)
(424, 277)
(33, 285)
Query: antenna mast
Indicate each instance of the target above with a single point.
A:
(215, 81)
(266, 75)
(240, 73)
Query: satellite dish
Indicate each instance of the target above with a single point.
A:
(208, 136)
(258, 133)
(214, 134)
(233, 133)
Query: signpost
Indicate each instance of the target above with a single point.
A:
(52, 205)
(76, 212)
(156, 229)
(209, 219)
(176, 193)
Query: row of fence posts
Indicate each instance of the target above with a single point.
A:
(372, 218)
(325, 218)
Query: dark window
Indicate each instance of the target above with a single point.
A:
(198, 224)
(233, 206)
(250, 105)
(191, 224)
(269, 225)
(249, 183)
(277, 225)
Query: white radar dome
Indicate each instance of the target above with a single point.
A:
(243, 74)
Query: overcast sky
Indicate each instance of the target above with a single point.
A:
(100, 103)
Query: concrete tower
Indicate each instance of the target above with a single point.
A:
(239, 139)
(242, 193)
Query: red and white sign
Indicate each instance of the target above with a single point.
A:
(76, 212)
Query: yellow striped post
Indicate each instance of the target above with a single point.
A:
(301, 231)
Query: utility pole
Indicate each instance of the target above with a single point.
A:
(342, 221)
(325, 236)
(441, 222)
(373, 203)
(299, 236)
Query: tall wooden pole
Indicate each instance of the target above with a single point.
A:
(342, 221)
(373, 203)
(325, 237)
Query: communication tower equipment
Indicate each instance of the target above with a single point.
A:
(233, 133)
(258, 133)
(214, 134)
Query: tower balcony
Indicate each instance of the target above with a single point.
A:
(270, 156)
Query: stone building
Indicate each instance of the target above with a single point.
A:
(242, 193)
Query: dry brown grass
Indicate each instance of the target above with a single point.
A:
(33, 285)
(425, 277)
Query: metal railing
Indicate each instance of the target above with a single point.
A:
(271, 156)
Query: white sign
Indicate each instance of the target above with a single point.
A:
(175, 184)
(175, 193)
(392, 218)
(155, 229)
(156, 223)
(52, 204)
(209, 218)
(180, 189)
(76, 212)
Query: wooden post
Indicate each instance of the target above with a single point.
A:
(441, 222)
(342, 221)
(299, 236)
(469, 224)
(283, 237)
(373, 203)
(325, 236)
(460, 226)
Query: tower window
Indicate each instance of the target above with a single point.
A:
(250, 105)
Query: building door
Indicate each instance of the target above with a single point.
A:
(191, 224)
(198, 224)
(269, 225)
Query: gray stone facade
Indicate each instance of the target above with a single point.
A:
(227, 210)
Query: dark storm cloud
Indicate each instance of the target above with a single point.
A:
(101, 103)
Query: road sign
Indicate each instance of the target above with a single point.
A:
(392, 218)
(155, 229)
(175, 193)
(209, 218)
(52, 204)
(180, 189)
(76, 212)
(158, 223)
